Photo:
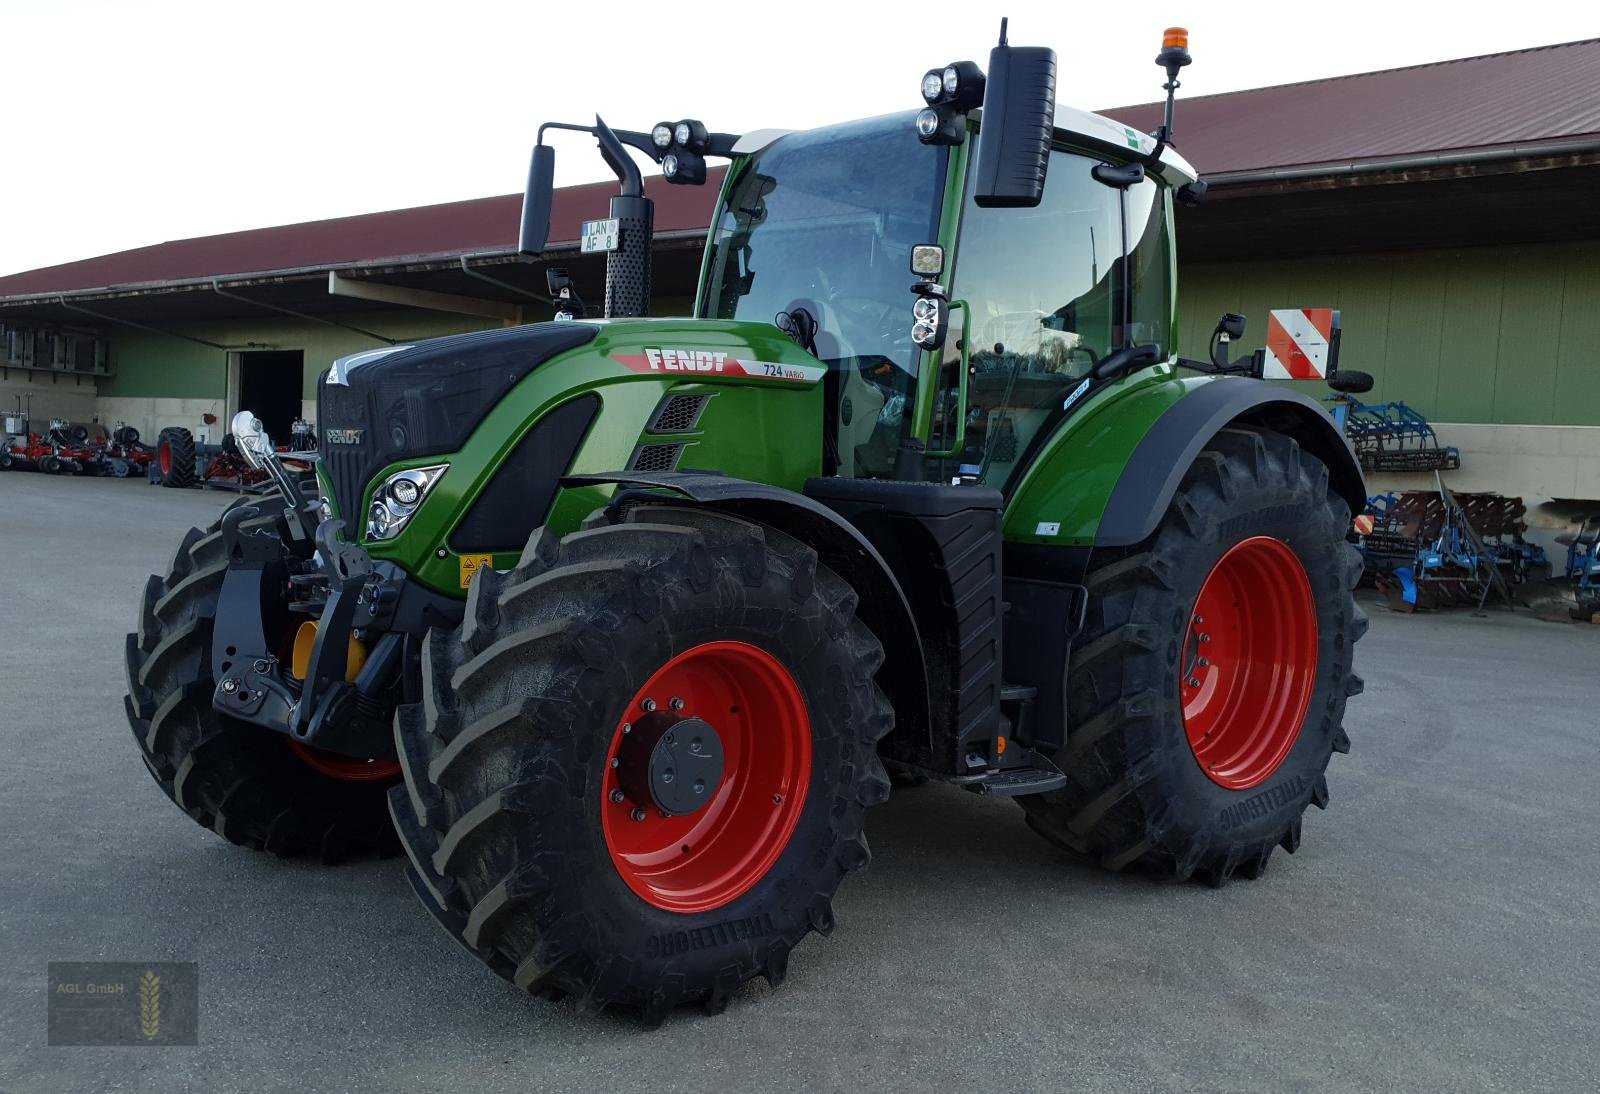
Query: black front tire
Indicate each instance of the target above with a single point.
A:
(1137, 797)
(506, 758)
(244, 782)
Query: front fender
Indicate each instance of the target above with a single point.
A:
(882, 605)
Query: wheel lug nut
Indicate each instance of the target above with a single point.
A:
(1193, 681)
(648, 704)
(1203, 663)
(627, 727)
(617, 795)
(676, 704)
(777, 799)
(615, 763)
(1205, 638)
(637, 814)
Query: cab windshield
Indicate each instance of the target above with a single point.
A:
(816, 237)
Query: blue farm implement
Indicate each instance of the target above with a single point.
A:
(1392, 437)
(1429, 549)
(1583, 566)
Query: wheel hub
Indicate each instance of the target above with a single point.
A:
(670, 763)
(690, 829)
(1249, 662)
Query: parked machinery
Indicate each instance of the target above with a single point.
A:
(1583, 566)
(1429, 549)
(181, 461)
(1391, 436)
(63, 449)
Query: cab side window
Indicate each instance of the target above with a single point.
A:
(1050, 297)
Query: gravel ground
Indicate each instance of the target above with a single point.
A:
(1437, 930)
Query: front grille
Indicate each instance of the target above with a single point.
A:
(656, 457)
(677, 414)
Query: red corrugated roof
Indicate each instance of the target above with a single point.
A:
(456, 228)
(1521, 97)
(1525, 96)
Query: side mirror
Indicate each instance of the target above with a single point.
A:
(536, 201)
(251, 437)
(1230, 328)
(1019, 109)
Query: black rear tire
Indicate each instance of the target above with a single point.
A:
(1137, 797)
(244, 782)
(506, 758)
(175, 457)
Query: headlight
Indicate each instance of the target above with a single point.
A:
(406, 492)
(951, 78)
(669, 165)
(661, 135)
(932, 85)
(923, 333)
(927, 122)
(397, 497)
(924, 309)
(681, 133)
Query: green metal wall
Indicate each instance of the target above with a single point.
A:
(159, 366)
(149, 365)
(1503, 335)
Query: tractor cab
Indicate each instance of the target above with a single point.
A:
(815, 232)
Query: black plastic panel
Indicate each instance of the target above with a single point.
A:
(944, 544)
(518, 498)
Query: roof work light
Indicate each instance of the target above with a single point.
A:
(950, 92)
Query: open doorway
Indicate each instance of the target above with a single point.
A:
(271, 383)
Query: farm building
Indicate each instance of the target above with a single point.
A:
(1444, 209)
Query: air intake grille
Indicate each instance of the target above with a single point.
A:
(656, 457)
(677, 414)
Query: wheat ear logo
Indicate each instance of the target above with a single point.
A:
(150, 1005)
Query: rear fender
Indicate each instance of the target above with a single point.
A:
(1159, 462)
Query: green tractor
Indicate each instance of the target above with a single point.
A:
(617, 627)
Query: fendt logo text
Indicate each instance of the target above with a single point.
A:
(685, 360)
(345, 436)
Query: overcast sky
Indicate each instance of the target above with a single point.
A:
(129, 123)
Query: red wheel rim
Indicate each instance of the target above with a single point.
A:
(1249, 662)
(164, 454)
(344, 768)
(706, 859)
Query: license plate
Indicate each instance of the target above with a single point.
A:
(600, 235)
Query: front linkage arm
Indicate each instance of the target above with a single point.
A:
(364, 598)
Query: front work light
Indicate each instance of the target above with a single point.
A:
(950, 92)
(691, 135)
(661, 135)
(941, 125)
(683, 168)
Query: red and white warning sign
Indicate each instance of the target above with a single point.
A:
(1298, 341)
